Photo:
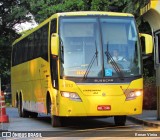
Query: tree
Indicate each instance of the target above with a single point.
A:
(100, 5)
(12, 12)
(43, 9)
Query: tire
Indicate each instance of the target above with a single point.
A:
(33, 114)
(22, 112)
(49, 106)
(120, 120)
(55, 121)
(19, 107)
(16, 101)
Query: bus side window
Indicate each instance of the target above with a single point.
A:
(53, 26)
(54, 72)
(30, 47)
(38, 42)
(54, 65)
(14, 55)
(22, 54)
(18, 54)
(44, 39)
(25, 49)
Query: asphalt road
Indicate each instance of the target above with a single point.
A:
(90, 128)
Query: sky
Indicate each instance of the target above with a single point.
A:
(26, 25)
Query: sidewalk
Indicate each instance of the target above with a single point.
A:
(148, 118)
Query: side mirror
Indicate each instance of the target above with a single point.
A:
(54, 44)
(146, 43)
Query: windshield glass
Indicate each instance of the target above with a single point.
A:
(81, 45)
(120, 41)
(87, 43)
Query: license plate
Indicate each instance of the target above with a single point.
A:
(103, 107)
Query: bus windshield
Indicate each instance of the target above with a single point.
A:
(99, 47)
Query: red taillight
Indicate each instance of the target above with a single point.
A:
(103, 107)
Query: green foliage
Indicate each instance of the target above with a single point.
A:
(100, 5)
(43, 9)
(11, 13)
(5, 52)
(150, 95)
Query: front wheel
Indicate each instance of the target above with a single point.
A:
(56, 121)
(120, 120)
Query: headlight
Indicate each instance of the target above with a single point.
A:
(132, 94)
(71, 95)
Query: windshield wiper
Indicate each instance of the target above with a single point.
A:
(95, 56)
(62, 50)
(114, 64)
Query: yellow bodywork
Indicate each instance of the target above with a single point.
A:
(32, 80)
(93, 95)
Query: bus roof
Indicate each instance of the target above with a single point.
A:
(76, 13)
(86, 13)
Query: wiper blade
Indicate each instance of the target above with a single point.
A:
(62, 50)
(114, 64)
(96, 53)
(95, 56)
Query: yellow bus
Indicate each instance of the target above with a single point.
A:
(66, 67)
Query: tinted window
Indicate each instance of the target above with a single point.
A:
(33, 46)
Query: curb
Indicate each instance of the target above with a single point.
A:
(143, 122)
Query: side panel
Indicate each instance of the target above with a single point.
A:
(32, 80)
(19, 81)
(30, 73)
